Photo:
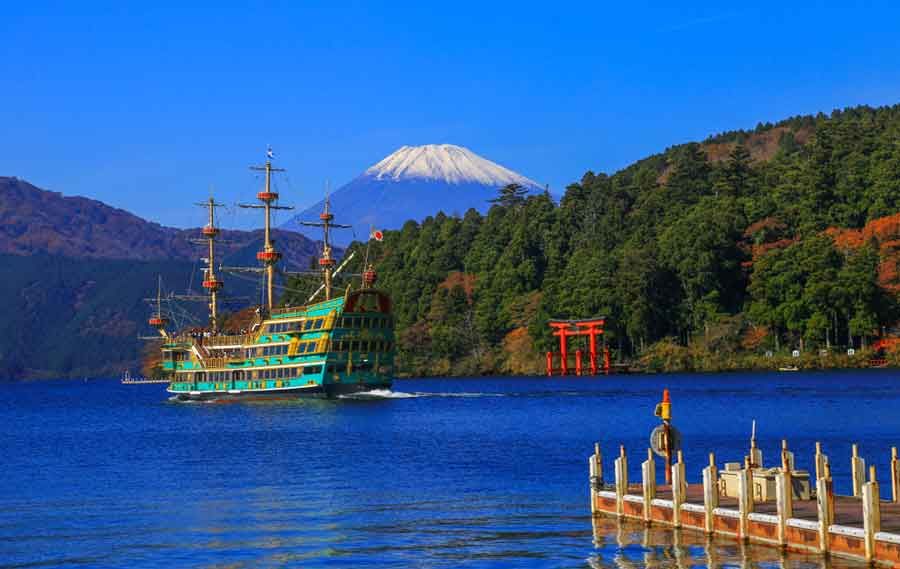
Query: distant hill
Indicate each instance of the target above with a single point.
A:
(33, 221)
(413, 183)
(74, 271)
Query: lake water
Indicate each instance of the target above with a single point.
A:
(487, 472)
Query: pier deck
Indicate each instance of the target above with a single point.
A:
(862, 527)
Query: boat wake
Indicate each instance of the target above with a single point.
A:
(389, 394)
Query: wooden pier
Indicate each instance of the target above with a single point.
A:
(735, 504)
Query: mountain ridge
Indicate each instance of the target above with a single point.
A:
(34, 220)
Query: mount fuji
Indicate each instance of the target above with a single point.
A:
(413, 183)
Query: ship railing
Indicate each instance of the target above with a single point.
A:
(287, 309)
(214, 341)
(228, 340)
(214, 363)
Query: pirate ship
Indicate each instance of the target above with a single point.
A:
(341, 343)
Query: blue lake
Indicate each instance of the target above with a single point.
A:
(486, 472)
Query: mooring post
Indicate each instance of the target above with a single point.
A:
(825, 506)
(871, 503)
(648, 479)
(895, 476)
(678, 490)
(710, 492)
(857, 471)
(745, 497)
(820, 461)
(784, 493)
(621, 465)
(596, 469)
(756, 457)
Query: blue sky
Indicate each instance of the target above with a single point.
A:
(147, 105)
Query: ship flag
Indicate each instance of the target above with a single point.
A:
(377, 235)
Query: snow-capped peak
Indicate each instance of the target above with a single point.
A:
(453, 164)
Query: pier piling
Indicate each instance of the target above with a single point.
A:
(648, 483)
(857, 471)
(710, 493)
(825, 508)
(621, 467)
(871, 505)
(895, 476)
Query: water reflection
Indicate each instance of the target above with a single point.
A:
(632, 545)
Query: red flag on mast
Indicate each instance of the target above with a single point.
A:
(377, 235)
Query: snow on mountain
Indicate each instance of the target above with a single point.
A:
(452, 164)
(413, 183)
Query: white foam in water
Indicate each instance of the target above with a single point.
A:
(379, 394)
(388, 394)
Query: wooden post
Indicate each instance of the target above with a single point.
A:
(756, 457)
(784, 493)
(621, 481)
(745, 497)
(825, 506)
(681, 466)
(710, 491)
(821, 459)
(895, 476)
(678, 490)
(596, 468)
(857, 471)
(648, 478)
(871, 503)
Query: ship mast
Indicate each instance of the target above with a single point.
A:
(211, 282)
(268, 256)
(159, 321)
(326, 262)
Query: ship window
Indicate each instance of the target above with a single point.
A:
(308, 325)
(310, 370)
(318, 323)
(365, 322)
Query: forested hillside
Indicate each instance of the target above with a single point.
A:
(74, 271)
(747, 242)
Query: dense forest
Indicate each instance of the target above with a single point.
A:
(771, 240)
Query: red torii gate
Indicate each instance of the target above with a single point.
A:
(563, 329)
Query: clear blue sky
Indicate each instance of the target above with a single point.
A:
(145, 105)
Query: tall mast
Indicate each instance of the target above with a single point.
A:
(268, 256)
(326, 262)
(211, 282)
(159, 321)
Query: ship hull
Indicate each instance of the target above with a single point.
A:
(329, 391)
